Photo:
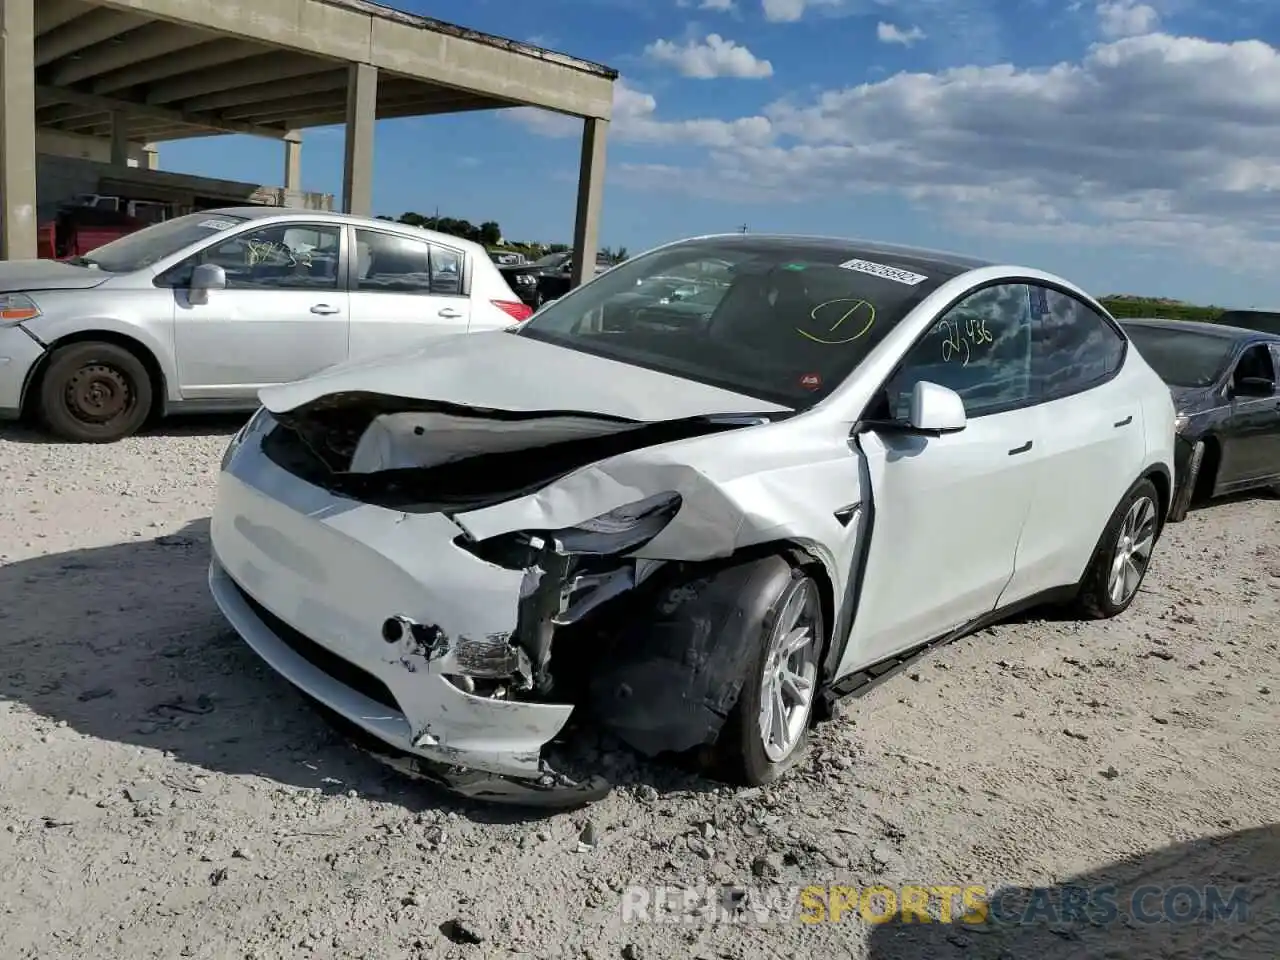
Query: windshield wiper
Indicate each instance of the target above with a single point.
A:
(83, 262)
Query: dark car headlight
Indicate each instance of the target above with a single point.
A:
(620, 531)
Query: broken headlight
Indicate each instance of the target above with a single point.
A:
(620, 531)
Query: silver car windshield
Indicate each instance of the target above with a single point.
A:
(145, 247)
(779, 319)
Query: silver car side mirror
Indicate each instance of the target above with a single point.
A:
(936, 409)
(206, 277)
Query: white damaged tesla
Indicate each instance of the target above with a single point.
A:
(692, 503)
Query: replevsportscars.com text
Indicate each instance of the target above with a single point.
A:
(967, 904)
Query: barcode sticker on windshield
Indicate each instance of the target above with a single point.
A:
(885, 272)
(217, 224)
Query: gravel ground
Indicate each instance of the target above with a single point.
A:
(163, 795)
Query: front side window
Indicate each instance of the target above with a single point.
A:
(1076, 347)
(279, 257)
(782, 320)
(1254, 364)
(151, 244)
(980, 348)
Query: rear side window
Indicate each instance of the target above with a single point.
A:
(387, 263)
(1076, 347)
(446, 271)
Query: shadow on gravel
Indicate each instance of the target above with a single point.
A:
(124, 643)
(189, 425)
(1214, 897)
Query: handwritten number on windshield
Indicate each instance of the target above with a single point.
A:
(961, 338)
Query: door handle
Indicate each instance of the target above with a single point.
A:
(1022, 449)
(1125, 422)
(449, 313)
(324, 309)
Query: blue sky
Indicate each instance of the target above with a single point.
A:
(1132, 147)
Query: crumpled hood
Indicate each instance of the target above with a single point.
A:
(499, 370)
(22, 276)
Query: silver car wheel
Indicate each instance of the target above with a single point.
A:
(1133, 550)
(790, 673)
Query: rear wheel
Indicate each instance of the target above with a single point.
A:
(94, 393)
(769, 727)
(1120, 561)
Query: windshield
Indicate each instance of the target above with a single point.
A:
(144, 247)
(781, 320)
(1182, 358)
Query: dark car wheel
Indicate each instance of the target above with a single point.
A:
(1123, 554)
(94, 393)
(769, 727)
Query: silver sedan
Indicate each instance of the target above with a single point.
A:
(198, 313)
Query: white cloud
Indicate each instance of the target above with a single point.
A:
(790, 11)
(1154, 139)
(710, 58)
(888, 33)
(721, 6)
(635, 120)
(1126, 18)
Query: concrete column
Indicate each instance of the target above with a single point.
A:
(293, 162)
(362, 115)
(119, 138)
(17, 130)
(151, 156)
(586, 228)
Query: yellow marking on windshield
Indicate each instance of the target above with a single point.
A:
(832, 327)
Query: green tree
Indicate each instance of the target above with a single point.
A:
(490, 233)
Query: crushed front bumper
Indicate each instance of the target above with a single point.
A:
(310, 581)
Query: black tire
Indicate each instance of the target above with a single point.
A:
(94, 393)
(1187, 488)
(740, 755)
(1094, 601)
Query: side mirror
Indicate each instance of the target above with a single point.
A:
(935, 409)
(206, 277)
(1254, 387)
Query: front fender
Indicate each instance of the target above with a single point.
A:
(156, 338)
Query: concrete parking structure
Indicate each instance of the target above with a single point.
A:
(144, 71)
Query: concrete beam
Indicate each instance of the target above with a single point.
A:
(145, 43)
(413, 46)
(216, 53)
(51, 14)
(98, 26)
(357, 168)
(335, 80)
(287, 105)
(17, 130)
(586, 228)
(271, 67)
(396, 111)
(65, 113)
(109, 104)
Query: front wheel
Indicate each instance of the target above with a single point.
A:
(94, 393)
(1123, 554)
(769, 727)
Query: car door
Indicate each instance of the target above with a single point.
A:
(1250, 439)
(1092, 439)
(949, 509)
(283, 315)
(404, 290)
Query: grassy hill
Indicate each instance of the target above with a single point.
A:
(1126, 305)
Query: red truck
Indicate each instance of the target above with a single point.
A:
(77, 230)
